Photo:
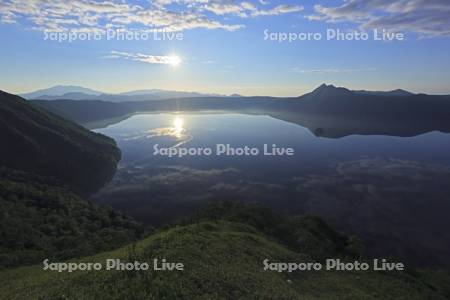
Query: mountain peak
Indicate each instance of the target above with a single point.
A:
(328, 90)
(401, 92)
(324, 85)
(59, 90)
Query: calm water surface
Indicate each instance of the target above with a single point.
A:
(392, 191)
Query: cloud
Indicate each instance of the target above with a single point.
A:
(425, 17)
(225, 8)
(149, 59)
(169, 15)
(279, 10)
(331, 70)
(247, 9)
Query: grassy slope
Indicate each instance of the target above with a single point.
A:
(223, 260)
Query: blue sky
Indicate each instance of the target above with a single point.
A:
(223, 49)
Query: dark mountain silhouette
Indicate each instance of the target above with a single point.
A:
(336, 112)
(41, 142)
(331, 90)
(397, 92)
(336, 101)
(327, 111)
(84, 111)
(327, 91)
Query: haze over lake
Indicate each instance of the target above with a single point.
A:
(381, 187)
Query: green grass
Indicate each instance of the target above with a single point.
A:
(41, 220)
(223, 260)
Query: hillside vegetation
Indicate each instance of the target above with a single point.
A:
(41, 142)
(41, 220)
(46, 165)
(223, 260)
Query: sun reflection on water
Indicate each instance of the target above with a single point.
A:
(178, 127)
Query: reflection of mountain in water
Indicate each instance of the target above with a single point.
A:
(335, 127)
(327, 111)
(336, 112)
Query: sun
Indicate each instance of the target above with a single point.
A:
(174, 60)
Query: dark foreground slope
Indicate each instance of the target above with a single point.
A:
(38, 141)
(224, 260)
(46, 162)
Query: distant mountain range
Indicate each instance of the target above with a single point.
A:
(71, 92)
(332, 89)
(80, 93)
(397, 92)
(327, 111)
(60, 90)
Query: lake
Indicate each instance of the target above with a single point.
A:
(391, 191)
